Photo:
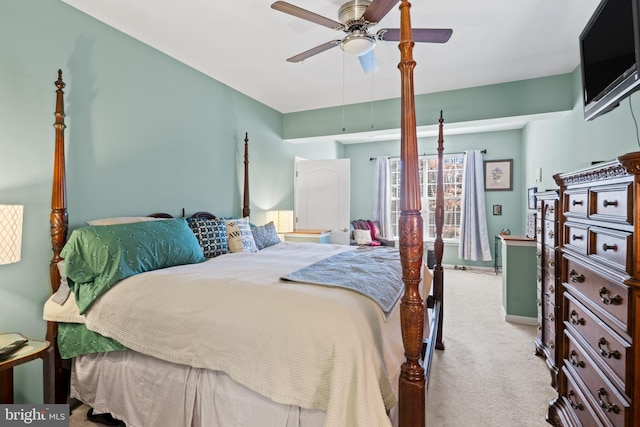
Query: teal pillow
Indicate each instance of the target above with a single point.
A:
(96, 257)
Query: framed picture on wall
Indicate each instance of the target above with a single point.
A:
(531, 197)
(498, 175)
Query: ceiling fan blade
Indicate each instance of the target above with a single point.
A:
(299, 12)
(423, 35)
(378, 9)
(314, 51)
(369, 62)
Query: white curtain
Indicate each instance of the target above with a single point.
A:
(382, 196)
(474, 236)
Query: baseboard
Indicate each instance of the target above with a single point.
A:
(467, 267)
(521, 319)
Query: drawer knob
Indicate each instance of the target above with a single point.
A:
(606, 247)
(577, 237)
(603, 345)
(607, 406)
(552, 289)
(607, 299)
(575, 318)
(575, 277)
(606, 203)
(576, 202)
(573, 356)
(575, 405)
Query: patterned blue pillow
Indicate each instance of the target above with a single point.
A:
(265, 235)
(211, 234)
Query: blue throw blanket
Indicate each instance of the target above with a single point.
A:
(374, 272)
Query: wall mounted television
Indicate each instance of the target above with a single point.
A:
(610, 56)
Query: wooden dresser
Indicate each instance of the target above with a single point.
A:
(599, 279)
(547, 242)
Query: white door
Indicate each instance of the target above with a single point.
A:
(321, 197)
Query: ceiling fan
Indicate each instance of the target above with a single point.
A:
(356, 18)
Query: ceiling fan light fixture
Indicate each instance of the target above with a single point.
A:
(357, 43)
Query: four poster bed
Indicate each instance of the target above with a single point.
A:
(275, 352)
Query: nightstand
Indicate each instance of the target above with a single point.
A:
(315, 236)
(32, 350)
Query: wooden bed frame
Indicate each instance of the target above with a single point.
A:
(419, 343)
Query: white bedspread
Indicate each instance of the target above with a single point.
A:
(306, 345)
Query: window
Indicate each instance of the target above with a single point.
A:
(452, 179)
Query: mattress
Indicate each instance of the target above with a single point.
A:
(298, 345)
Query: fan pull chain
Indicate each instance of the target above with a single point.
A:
(372, 91)
(343, 89)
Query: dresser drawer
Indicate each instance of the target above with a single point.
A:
(611, 247)
(607, 403)
(585, 368)
(610, 296)
(550, 232)
(612, 203)
(550, 258)
(575, 203)
(576, 237)
(549, 211)
(549, 284)
(578, 403)
(611, 350)
(549, 333)
(548, 308)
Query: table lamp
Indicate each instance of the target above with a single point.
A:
(10, 233)
(283, 220)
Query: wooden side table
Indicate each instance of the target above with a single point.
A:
(34, 349)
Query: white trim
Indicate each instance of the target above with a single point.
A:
(520, 319)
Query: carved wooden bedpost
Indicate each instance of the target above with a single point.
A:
(438, 248)
(56, 385)
(412, 376)
(246, 210)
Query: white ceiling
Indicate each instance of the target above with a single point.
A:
(245, 43)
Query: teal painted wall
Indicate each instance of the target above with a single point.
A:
(568, 143)
(519, 285)
(147, 133)
(543, 95)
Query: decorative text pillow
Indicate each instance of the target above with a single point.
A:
(362, 237)
(239, 236)
(265, 235)
(211, 234)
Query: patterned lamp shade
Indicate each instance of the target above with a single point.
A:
(283, 220)
(10, 233)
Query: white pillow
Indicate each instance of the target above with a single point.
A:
(362, 237)
(240, 236)
(121, 220)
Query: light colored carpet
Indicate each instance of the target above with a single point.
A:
(488, 374)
